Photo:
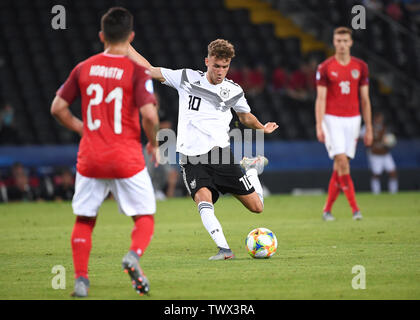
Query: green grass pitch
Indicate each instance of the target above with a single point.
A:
(314, 259)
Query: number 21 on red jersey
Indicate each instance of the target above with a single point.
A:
(116, 94)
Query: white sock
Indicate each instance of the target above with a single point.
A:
(375, 185)
(252, 175)
(211, 224)
(393, 185)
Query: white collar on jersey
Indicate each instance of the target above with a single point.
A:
(113, 55)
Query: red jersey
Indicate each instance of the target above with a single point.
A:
(343, 83)
(112, 89)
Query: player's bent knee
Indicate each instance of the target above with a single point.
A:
(342, 163)
(252, 202)
(257, 207)
(204, 194)
(86, 219)
(258, 210)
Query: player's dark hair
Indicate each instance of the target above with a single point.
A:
(117, 24)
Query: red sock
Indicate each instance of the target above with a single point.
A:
(142, 233)
(348, 188)
(333, 191)
(81, 243)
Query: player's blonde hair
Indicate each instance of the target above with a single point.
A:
(221, 49)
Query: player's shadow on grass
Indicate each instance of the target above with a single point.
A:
(250, 259)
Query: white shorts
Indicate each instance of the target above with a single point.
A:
(134, 195)
(379, 163)
(341, 134)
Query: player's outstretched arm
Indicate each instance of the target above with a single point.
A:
(320, 105)
(251, 121)
(139, 59)
(60, 110)
(150, 125)
(367, 114)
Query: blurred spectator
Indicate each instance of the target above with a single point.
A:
(373, 4)
(379, 156)
(3, 190)
(19, 187)
(301, 84)
(394, 10)
(297, 85)
(279, 79)
(236, 75)
(165, 176)
(254, 80)
(309, 69)
(46, 187)
(8, 132)
(412, 7)
(64, 185)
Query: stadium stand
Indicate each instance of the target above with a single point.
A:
(175, 34)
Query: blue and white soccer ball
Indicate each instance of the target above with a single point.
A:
(261, 243)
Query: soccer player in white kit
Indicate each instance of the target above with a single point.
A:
(380, 158)
(205, 100)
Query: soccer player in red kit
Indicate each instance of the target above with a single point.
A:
(342, 80)
(113, 90)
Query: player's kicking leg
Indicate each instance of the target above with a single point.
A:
(253, 167)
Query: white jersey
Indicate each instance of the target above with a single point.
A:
(204, 110)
